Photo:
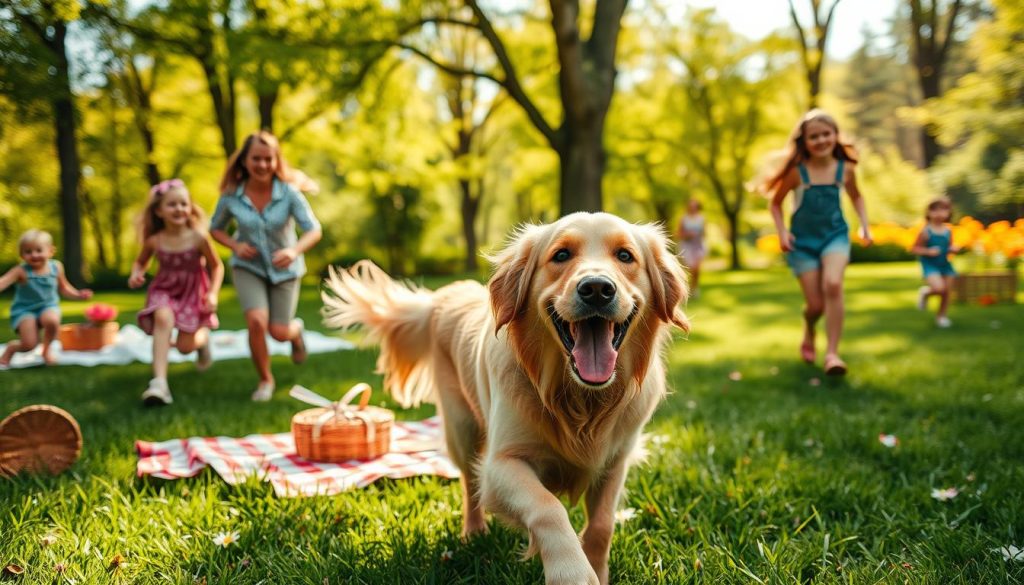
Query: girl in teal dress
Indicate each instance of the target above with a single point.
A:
(39, 283)
(817, 242)
(934, 245)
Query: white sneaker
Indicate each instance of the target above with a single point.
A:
(157, 394)
(922, 297)
(264, 392)
(943, 322)
(204, 358)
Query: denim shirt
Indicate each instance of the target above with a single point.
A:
(267, 231)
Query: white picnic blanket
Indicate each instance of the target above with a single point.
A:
(132, 345)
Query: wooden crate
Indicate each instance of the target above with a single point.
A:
(986, 288)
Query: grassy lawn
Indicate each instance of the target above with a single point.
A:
(762, 471)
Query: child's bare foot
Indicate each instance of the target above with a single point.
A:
(5, 360)
(49, 359)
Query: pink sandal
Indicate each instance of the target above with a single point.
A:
(834, 366)
(807, 353)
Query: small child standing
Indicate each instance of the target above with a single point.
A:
(183, 294)
(934, 245)
(39, 283)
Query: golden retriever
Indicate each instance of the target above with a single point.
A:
(545, 378)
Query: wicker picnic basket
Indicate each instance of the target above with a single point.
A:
(338, 431)
(39, 438)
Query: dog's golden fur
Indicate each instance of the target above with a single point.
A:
(527, 417)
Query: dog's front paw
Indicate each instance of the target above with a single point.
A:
(570, 573)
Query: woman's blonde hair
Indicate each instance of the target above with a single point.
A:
(149, 223)
(797, 151)
(235, 174)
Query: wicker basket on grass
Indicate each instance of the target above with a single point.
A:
(38, 439)
(338, 431)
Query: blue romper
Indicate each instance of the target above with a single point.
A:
(817, 223)
(938, 264)
(38, 294)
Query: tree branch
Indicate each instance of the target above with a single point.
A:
(511, 83)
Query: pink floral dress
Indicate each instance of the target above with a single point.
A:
(181, 284)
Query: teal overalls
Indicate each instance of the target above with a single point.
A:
(817, 223)
(38, 294)
(938, 264)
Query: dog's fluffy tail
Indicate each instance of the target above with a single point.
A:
(394, 314)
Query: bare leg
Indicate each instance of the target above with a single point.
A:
(189, 342)
(947, 286)
(833, 270)
(814, 306)
(28, 339)
(163, 325)
(50, 320)
(256, 320)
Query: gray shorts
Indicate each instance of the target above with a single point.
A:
(255, 292)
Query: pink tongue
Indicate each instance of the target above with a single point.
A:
(593, 352)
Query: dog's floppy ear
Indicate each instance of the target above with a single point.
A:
(668, 279)
(513, 272)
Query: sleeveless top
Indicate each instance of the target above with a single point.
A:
(695, 225)
(39, 292)
(941, 240)
(818, 214)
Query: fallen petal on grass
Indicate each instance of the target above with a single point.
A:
(946, 494)
(735, 376)
(625, 515)
(1012, 553)
(888, 440)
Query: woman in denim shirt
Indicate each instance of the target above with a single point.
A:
(266, 262)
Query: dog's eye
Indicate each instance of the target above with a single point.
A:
(624, 256)
(561, 255)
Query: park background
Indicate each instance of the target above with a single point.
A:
(430, 139)
(433, 128)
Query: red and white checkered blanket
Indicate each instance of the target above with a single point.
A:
(414, 451)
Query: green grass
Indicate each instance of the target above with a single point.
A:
(765, 479)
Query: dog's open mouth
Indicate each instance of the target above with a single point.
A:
(592, 345)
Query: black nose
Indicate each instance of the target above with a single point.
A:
(596, 291)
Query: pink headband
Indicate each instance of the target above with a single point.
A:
(165, 186)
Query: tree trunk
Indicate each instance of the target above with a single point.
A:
(470, 206)
(582, 168)
(733, 218)
(92, 215)
(930, 88)
(222, 110)
(266, 106)
(115, 187)
(67, 154)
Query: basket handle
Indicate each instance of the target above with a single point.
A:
(361, 387)
(309, 397)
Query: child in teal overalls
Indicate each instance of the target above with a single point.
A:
(934, 245)
(39, 283)
(817, 242)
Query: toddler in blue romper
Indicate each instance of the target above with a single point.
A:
(817, 223)
(941, 239)
(37, 295)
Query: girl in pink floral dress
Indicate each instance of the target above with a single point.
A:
(183, 294)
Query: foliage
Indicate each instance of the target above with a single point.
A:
(983, 116)
(758, 469)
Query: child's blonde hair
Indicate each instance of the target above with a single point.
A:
(797, 151)
(34, 236)
(149, 223)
